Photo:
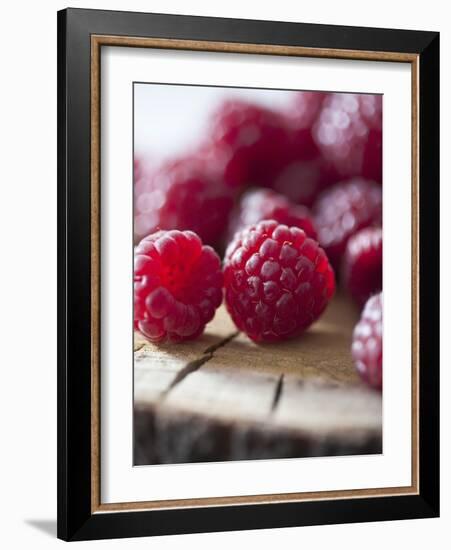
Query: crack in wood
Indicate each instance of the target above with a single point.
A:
(211, 349)
(195, 365)
(277, 393)
(190, 367)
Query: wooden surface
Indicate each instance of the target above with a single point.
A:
(223, 397)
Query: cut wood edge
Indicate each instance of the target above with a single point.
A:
(170, 435)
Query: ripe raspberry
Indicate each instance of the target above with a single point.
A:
(265, 204)
(362, 264)
(304, 172)
(367, 343)
(306, 107)
(142, 164)
(137, 168)
(184, 194)
(234, 175)
(251, 138)
(277, 281)
(177, 286)
(344, 209)
(142, 168)
(349, 133)
(302, 179)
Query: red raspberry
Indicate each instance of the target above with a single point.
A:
(265, 204)
(306, 107)
(349, 133)
(234, 175)
(362, 264)
(303, 179)
(344, 209)
(251, 139)
(367, 343)
(184, 194)
(300, 116)
(137, 168)
(142, 168)
(277, 281)
(177, 286)
(304, 171)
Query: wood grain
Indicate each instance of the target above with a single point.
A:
(258, 49)
(224, 397)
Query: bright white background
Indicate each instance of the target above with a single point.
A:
(28, 277)
(119, 481)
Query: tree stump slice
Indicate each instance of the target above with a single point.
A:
(224, 397)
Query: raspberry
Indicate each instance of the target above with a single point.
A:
(367, 343)
(142, 168)
(177, 286)
(142, 164)
(234, 175)
(277, 281)
(184, 194)
(260, 147)
(362, 264)
(137, 168)
(264, 204)
(306, 107)
(251, 138)
(349, 133)
(302, 179)
(304, 171)
(344, 209)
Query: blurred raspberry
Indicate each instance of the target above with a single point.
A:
(302, 180)
(187, 193)
(304, 172)
(300, 116)
(249, 139)
(265, 204)
(177, 286)
(344, 209)
(367, 343)
(256, 146)
(349, 134)
(137, 168)
(306, 107)
(362, 264)
(142, 169)
(234, 175)
(277, 281)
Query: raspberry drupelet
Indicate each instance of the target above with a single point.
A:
(265, 204)
(367, 343)
(362, 264)
(344, 209)
(277, 281)
(177, 286)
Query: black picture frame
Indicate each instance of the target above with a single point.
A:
(76, 519)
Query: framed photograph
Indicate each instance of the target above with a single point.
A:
(237, 350)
